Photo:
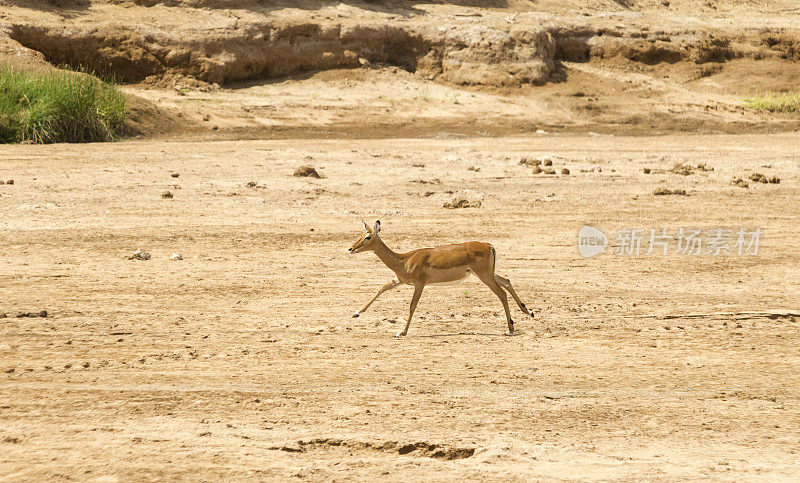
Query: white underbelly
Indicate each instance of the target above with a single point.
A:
(448, 277)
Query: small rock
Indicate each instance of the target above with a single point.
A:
(537, 170)
(775, 180)
(176, 256)
(3, 316)
(682, 169)
(251, 184)
(166, 195)
(473, 168)
(548, 162)
(462, 203)
(646, 170)
(215, 128)
(175, 175)
(139, 255)
(759, 178)
(364, 62)
(665, 191)
(739, 182)
(306, 171)
(21, 315)
(564, 171)
(530, 161)
(206, 118)
(549, 171)
(11, 181)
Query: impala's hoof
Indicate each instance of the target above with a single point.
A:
(356, 314)
(531, 312)
(509, 334)
(400, 334)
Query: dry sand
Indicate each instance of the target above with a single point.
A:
(242, 362)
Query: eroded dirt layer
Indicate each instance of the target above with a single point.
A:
(510, 46)
(242, 361)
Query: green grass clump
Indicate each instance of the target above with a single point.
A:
(52, 107)
(786, 102)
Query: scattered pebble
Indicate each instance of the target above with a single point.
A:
(462, 203)
(666, 191)
(175, 175)
(775, 180)
(306, 171)
(139, 255)
(564, 171)
(549, 171)
(758, 178)
(682, 169)
(548, 162)
(646, 170)
(206, 117)
(176, 256)
(11, 181)
(704, 167)
(43, 314)
(537, 170)
(473, 168)
(739, 182)
(530, 161)
(166, 195)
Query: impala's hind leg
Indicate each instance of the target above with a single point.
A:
(490, 281)
(506, 284)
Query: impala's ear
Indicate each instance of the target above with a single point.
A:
(377, 228)
(366, 228)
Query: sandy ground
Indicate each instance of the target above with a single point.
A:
(242, 361)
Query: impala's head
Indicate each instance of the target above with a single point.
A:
(367, 240)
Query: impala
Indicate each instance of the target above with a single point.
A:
(445, 264)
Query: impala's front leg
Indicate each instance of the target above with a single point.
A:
(417, 293)
(394, 283)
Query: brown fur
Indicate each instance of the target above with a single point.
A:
(449, 263)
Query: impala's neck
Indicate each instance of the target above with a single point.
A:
(387, 256)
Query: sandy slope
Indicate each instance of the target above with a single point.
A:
(242, 361)
(389, 69)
